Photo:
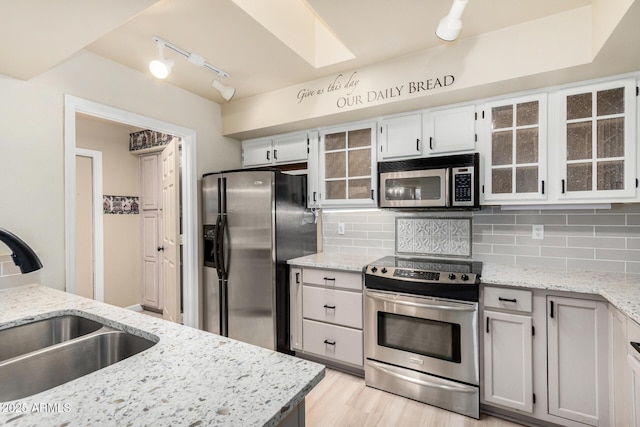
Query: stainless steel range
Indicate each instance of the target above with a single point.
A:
(421, 330)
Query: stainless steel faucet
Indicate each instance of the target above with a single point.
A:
(23, 256)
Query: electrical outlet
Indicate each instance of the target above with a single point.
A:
(537, 232)
(341, 228)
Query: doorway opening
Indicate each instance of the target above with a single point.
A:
(188, 187)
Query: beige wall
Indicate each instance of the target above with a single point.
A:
(122, 234)
(32, 148)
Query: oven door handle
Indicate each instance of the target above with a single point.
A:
(449, 386)
(435, 305)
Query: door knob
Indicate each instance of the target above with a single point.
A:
(160, 248)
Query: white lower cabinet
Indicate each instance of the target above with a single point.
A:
(633, 372)
(546, 357)
(577, 357)
(295, 308)
(326, 315)
(619, 375)
(508, 362)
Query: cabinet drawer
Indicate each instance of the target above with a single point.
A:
(508, 299)
(331, 305)
(332, 278)
(333, 342)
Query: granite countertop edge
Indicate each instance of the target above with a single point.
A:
(177, 381)
(622, 290)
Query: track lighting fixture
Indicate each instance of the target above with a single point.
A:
(162, 67)
(450, 26)
(227, 92)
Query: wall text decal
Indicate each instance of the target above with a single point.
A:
(345, 87)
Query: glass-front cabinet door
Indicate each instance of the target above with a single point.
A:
(348, 169)
(515, 132)
(598, 141)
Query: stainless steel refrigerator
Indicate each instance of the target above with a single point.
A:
(254, 221)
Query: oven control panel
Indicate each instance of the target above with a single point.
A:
(425, 276)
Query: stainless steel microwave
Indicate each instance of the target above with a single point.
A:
(433, 182)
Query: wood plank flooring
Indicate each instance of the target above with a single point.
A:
(342, 400)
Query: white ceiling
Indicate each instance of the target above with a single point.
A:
(258, 62)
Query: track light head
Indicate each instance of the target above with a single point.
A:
(160, 67)
(450, 26)
(227, 92)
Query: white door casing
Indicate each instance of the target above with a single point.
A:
(170, 161)
(191, 270)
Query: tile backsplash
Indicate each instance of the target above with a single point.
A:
(593, 239)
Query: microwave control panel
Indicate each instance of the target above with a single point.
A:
(463, 186)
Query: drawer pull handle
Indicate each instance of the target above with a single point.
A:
(329, 342)
(329, 278)
(513, 300)
(330, 307)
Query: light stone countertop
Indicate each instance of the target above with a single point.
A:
(335, 261)
(620, 289)
(189, 378)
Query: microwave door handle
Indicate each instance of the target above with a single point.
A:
(447, 187)
(449, 386)
(426, 304)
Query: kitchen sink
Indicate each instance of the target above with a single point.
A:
(29, 337)
(47, 367)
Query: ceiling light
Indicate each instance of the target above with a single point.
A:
(227, 92)
(162, 67)
(450, 26)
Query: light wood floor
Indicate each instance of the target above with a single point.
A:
(342, 400)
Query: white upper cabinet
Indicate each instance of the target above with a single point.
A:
(514, 148)
(597, 135)
(279, 149)
(348, 170)
(401, 137)
(449, 130)
(313, 183)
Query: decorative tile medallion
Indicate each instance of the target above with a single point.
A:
(120, 205)
(433, 236)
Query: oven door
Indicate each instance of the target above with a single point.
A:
(430, 335)
(415, 189)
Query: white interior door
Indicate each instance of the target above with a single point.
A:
(171, 232)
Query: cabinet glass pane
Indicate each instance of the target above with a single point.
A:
(527, 113)
(359, 188)
(335, 141)
(579, 141)
(527, 145)
(610, 101)
(611, 138)
(502, 117)
(360, 162)
(579, 177)
(502, 148)
(360, 138)
(336, 165)
(336, 189)
(579, 106)
(611, 175)
(527, 179)
(501, 181)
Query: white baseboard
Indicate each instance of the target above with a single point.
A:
(135, 307)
